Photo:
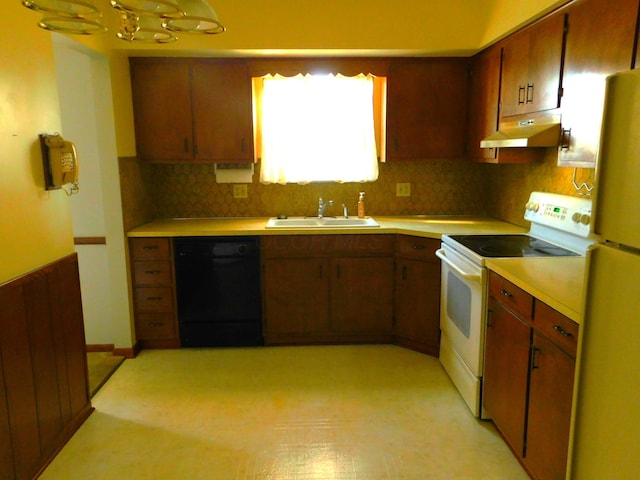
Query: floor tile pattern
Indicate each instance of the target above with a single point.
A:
(283, 413)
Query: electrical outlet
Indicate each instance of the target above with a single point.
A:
(240, 190)
(403, 189)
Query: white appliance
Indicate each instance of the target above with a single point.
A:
(559, 227)
(607, 422)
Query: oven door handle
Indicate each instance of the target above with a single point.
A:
(469, 276)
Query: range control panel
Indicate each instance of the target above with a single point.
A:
(562, 212)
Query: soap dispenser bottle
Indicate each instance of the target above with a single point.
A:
(361, 205)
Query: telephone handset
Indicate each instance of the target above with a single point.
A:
(60, 162)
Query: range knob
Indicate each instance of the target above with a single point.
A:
(585, 219)
(533, 206)
(576, 217)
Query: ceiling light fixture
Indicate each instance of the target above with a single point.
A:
(150, 21)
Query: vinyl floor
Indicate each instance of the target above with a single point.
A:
(371, 412)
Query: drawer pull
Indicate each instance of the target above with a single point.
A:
(505, 293)
(533, 358)
(154, 299)
(156, 324)
(152, 272)
(562, 331)
(150, 247)
(417, 247)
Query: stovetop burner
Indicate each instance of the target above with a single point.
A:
(511, 246)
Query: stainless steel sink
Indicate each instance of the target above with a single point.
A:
(324, 222)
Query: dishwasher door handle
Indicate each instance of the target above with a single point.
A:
(440, 253)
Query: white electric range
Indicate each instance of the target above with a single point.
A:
(560, 227)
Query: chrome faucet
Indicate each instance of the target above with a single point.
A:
(322, 205)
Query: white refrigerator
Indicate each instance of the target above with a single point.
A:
(606, 438)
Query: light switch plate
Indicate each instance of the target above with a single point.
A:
(240, 190)
(403, 189)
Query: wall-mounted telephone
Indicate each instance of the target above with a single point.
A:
(60, 163)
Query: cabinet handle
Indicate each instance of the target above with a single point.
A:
(152, 272)
(562, 331)
(505, 293)
(156, 324)
(404, 272)
(320, 271)
(521, 95)
(530, 93)
(154, 299)
(147, 248)
(338, 270)
(417, 247)
(533, 358)
(565, 142)
(186, 145)
(395, 144)
(489, 317)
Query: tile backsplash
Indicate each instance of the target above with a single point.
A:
(151, 191)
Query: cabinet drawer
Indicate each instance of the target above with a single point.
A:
(512, 297)
(152, 273)
(155, 326)
(154, 299)
(556, 327)
(149, 248)
(418, 247)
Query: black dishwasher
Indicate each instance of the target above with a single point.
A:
(218, 291)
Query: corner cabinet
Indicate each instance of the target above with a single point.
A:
(532, 67)
(327, 288)
(416, 320)
(600, 42)
(192, 110)
(529, 372)
(426, 109)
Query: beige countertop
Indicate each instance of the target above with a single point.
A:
(558, 281)
(422, 226)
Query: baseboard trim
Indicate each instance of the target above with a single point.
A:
(105, 347)
(128, 352)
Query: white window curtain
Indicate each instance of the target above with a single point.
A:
(318, 128)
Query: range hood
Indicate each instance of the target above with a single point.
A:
(531, 132)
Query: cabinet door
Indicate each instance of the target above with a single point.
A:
(295, 297)
(549, 416)
(599, 43)
(162, 111)
(362, 295)
(532, 66)
(504, 393)
(484, 102)
(6, 448)
(222, 112)
(417, 304)
(426, 109)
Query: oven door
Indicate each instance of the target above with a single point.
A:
(462, 321)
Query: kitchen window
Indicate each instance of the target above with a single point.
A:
(324, 128)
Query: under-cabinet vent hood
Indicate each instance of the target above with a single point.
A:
(532, 132)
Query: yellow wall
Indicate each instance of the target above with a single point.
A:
(35, 225)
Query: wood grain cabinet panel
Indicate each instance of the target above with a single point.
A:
(192, 110)
(600, 42)
(532, 67)
(417, 294)
(528, 380)
(154, 290)
(427, 109)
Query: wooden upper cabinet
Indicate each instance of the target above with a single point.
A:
(484, 101)
(195, 110)
(162, 110)
(427, 109)
(600, 42)
(532, 67)
(222, 112)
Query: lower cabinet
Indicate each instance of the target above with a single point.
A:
(416, 322)
(327, 288)
(530, 355)
(154, 301)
